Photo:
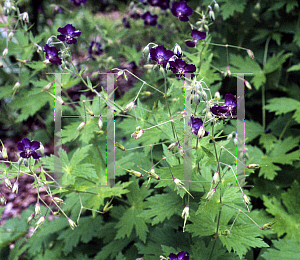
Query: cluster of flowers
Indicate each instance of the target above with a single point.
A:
(178, 9)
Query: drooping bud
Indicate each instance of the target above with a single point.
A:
(30, 218)
(211, 193)
(136, 173)
(185, 214)
(3, 152)
(47, 87)
(248, 84)
(246, 199)
(181, 151)
(195, 98)
(25, 17)
(7, 183)
(81, 126)
(180, 184)
(146, 51)
(203, 95)
(211, 14)
(16, 86)
(216, 6)
(228, 72)
(58, 200)
(201, 132)
(121, 147)
(10, 35)
(37, 209)
(172, 146)
(216, 177)
(254, 166)
(153, 174)
(250, 53)
(40, 222)
(72, 223)
(217, 95)
(15, 188)
(5, 52)
(128, 107)
(100, 123)
(2, 199)
(137, 134)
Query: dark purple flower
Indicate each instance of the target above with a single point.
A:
(28, 148)
(149, 19)
(52, 54)
(197, 124)
(68, 33)
(179, 67)
(196, 35)
(180, 256)
(225, 110)
(126, 23)
(181, 10)
(94, 49)
(78, 2)
(161, 55)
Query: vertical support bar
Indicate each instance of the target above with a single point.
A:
(57, 127)
(187, 133)
(110, 131)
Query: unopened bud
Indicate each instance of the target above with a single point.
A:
(5, 52)
(4, 152)
(248, 84)
(100, 123)
(15, 188)
(216, 177)
(216, 7)
(58, 200)
(250, 54)
(257, 6)
(137, 134)
(16, 86)
(185, 214)
(246, 199)
(201, 132)
(253, 166)
(7, 183)
(128, 107)
(136, 173)
(10, 35)
(37, 209)
(72, 223)
(81, 126)
(152, 174)
(203, 95)
(2, 199)
(195, 98)
(228, 72)
(211, 14)
(146, 51)
(148, 66)
(30, 218)
(40, 222)
(211, 193)
(47, 87)
(121, 147)
(172, 146)
(146, 93)
(181, 151)
(217, 95)
(25, 17)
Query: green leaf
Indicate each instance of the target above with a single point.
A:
(283, 249)
(275, 62)
(242, 238)
(282, 105)
(294, 68)
(228, 8)
(130, 218)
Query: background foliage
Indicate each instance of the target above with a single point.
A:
(145, 221)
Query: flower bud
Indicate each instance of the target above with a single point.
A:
(137, 134)
(201, 132)
(211, 193)
(248, 84)
(229, 137)
(72, 223)
(56, 213)
(25, 17)
(246, 199)
(58, 200)
(228, 72)
(177, 50)
(250, 54)
(7, 183)
(257, 6)
(2, 199)
(15, 188)
(128, 107)
(195, 98)
(136, 173)
(153, 174)
(146, 51)
(216, 6)
(181, 151)
(81, 126)
(216, 177)
(121, 147)
(148, 66)
(185, 214)
(37, 209)
(10, 35)
(211, 14)
(47, 87)
(16, 86)
(7, 8)
(203, 95)
(172, 146)
(100, 123)
(253, 166)
(40, 223)
(5, 52)
(3, 152)
(30, 218)
(217, 95)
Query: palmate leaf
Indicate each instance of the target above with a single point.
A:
(130, 218)
(283, 249)
(242, 238)
(288, 212)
